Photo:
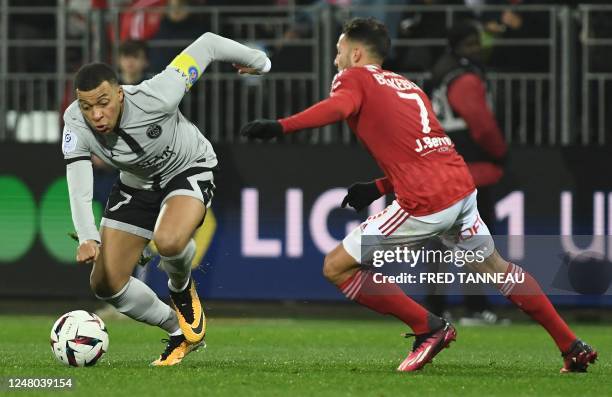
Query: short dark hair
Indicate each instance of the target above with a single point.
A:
(92, 75)
(133, 48)
(371, 32)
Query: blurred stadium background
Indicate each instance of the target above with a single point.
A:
(276, 208)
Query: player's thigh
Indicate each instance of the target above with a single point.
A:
(186, 197)
(119, 254)
(126, 227)
(178, 219)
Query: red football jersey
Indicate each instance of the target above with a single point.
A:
(394, 119)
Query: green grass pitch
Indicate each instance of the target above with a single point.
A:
(265, 357)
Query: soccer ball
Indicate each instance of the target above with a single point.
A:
(79, 338)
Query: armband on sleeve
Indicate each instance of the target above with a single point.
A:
(188, 67)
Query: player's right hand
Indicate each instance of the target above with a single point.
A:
(360, 195)
(263, 129)
(88, 251)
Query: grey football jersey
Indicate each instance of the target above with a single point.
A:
(153, 141)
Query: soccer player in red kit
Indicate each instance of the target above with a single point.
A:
(435, 195)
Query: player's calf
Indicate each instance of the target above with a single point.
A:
(178, 267)
(137, 301)
(529, 297)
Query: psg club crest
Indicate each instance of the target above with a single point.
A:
(154, 131)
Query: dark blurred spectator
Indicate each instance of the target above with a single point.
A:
(37, 26)
(422, 24)
(306, 20)
(180, 25)
(510, 23)
(132, 62)
(459, 97)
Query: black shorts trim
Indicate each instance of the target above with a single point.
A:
(75, 159)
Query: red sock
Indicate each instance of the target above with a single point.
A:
(528, 296)
(388, 298)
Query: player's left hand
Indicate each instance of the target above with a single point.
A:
(263, 129)
(360, 195)
(88, 251)
(246, 70)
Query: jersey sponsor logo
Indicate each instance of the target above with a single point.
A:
(429, 144)
(69, 142)
(154, 131)
(157, 162)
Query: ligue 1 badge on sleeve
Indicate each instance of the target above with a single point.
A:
(154, 131)
(193, 75)
(69, 142)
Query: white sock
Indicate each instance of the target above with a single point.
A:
(178, 267)
(176, 333)
(172, 288)
(136, 300)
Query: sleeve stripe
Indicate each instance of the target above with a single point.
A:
(75, 159)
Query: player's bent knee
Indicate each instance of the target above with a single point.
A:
(336, 264)
(332, 268)
(329, 269)
(169, 244)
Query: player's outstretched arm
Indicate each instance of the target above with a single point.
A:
(328, 111)
(211, 47)
(165, 91)
(79, 175)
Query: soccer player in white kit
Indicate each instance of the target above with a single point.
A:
(165, 186)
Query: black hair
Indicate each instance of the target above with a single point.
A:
(370, 32)
(460, 31)
(91, 75)
(133, 48)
